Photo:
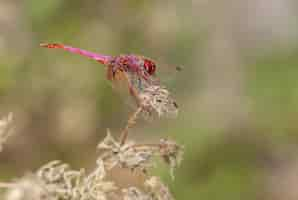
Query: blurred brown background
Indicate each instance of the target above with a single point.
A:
(238, 91)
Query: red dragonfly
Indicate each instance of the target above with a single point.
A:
(137, 71)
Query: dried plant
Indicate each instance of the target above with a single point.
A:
(57, 181)
(157, 189)
(134, 193)
(157, 98)
(139, 156)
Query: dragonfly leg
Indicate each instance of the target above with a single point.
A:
(109, 73)
(112, 70)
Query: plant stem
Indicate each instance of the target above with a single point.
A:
(131, 121)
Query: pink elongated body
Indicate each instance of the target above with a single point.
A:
(103, 59)
(136, 70)
(132, 63)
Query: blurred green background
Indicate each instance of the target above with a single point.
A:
(238, 90)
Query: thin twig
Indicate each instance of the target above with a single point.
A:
(131, 121)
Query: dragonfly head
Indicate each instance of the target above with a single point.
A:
(149, 66)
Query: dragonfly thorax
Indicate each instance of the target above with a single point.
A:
(134, 63)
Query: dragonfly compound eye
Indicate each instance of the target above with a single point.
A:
(149, 66)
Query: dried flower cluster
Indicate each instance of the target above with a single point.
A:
(139, 156)
(157, 98)
(57, 181)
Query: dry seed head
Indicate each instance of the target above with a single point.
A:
(157, 98)
(125, 155)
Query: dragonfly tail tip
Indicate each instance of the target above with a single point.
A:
(51, 45)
